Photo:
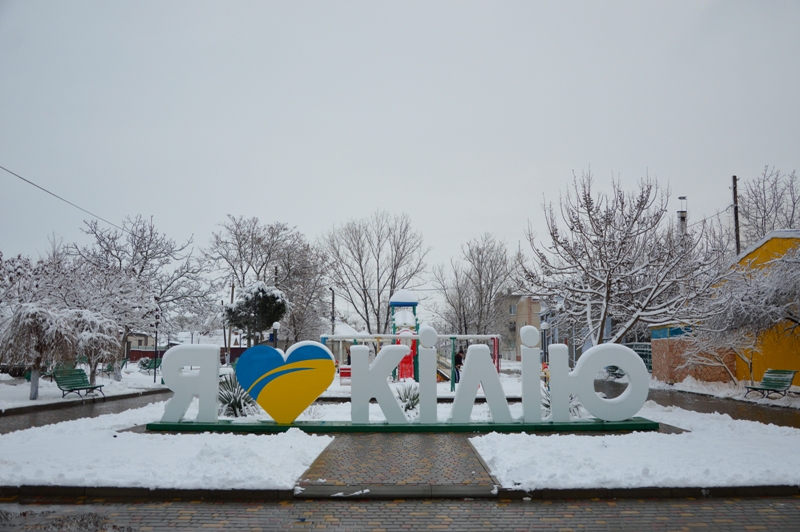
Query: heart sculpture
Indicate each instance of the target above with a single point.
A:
(284, 387)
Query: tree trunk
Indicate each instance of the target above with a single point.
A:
(92, 371)
(123, 352)
(34, 384)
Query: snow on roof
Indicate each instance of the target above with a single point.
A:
(404, 298)
(776, 233)
(343, 328)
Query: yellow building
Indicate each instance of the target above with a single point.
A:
(779, 348)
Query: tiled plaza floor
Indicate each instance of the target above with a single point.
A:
(398, 459)
(774, 514)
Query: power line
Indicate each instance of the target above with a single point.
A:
(62, 199)
(720, 213)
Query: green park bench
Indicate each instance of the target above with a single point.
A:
(108, 369)
(774, 381)
(75, 381)
(152, 365)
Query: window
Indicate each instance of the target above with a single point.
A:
(512, 309)
(139, 344)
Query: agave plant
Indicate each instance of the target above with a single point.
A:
(409, 396)
(575, 407)
(233, 399)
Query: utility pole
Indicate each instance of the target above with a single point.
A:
(736, 217)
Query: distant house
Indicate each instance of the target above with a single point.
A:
(519, 310)
(778, 348)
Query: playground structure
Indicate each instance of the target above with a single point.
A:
(405, 328)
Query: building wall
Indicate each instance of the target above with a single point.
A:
(521, 311)
(780, 347)
(668, 355)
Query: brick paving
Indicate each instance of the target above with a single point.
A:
(398, 459)
(775, 514)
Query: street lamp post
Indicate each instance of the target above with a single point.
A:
(275, 328)
(545, 328)
(155, 350)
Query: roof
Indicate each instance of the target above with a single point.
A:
(404, 298)
(778, 234)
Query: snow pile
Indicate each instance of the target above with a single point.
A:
(90, 452)
(719, 451)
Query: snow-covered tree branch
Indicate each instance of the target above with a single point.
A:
(615, 256)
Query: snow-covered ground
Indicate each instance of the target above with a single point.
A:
(719, 451)
(90, 452)
(15, 392)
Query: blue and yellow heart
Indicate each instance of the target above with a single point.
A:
(284, 387)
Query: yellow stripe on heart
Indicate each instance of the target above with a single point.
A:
(294, 388)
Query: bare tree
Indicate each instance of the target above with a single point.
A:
(279, 255)
(370, 259)
(250, 250)
(615, 256)
(473, 289)
(770, 201)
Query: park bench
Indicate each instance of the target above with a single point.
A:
(75, 381)
(108, 369)
(774, 381)
(152, 365)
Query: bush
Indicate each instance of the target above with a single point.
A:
(233, 399)
(409, 396)
(575, 407)
(143, 362)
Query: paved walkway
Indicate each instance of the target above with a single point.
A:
(400, 465)
(12, 422)
(774, 514)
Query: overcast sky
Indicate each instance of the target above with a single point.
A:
(461, 114)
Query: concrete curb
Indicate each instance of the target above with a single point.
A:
(76, 402)
(144, 493)
(391, 492)
(385, 491)
(651, 493)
